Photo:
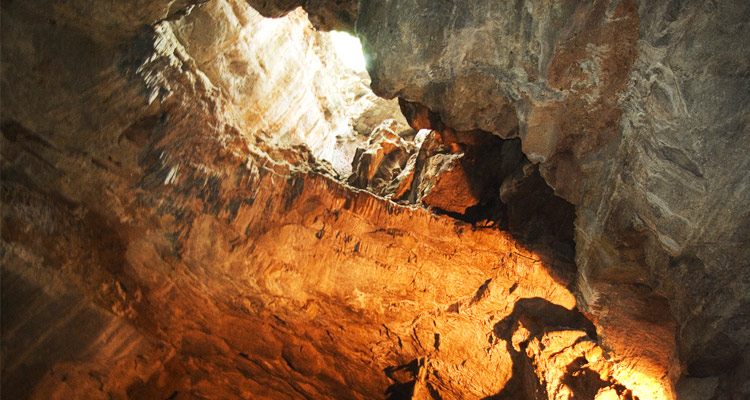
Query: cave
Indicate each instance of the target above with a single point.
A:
(403, 199)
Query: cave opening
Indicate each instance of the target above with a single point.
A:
(229, 199)
(349, 50)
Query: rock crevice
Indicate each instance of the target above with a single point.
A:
(200, 202)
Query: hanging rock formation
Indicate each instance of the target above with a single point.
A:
(201, 202)
(636, 113)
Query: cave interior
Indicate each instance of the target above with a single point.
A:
(403, 199)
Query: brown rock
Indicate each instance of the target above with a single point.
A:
(157, 244)
(379, 166)
(174, 226)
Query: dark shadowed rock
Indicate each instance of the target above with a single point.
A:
(175, 222)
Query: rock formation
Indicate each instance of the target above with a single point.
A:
(199, 201)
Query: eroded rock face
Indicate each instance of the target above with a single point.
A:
(381, 165)
(175, 224)
(160, 240)
(633, 115)
(324, 14)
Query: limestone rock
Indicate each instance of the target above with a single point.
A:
(454, 171)
(441, 182)
(174, 224)
(636, 114)
(442, 169)
(324, 14)
(379, 166)
(159, 240)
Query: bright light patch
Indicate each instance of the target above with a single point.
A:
(349, 50)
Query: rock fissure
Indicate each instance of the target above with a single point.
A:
(202, 202)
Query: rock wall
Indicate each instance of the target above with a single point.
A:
(176, 222)
(636, 113)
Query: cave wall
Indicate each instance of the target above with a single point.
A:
(636, 113)
(170, 231)
(163, 239)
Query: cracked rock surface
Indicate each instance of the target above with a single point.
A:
(201, 203)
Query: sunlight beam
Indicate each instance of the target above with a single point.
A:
(349, 50)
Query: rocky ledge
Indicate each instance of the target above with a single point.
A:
(200, 201)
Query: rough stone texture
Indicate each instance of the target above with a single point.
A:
(454, 171)
(252, 60)
(163, 237)
(638, 115)
(324, 14)
(485, 180)
(474, 176)
(172, 229)
(379, 165)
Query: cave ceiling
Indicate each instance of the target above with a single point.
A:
(517, 200)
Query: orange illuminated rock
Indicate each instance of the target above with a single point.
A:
(176, 225)
(177, 250)
(379, 166)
